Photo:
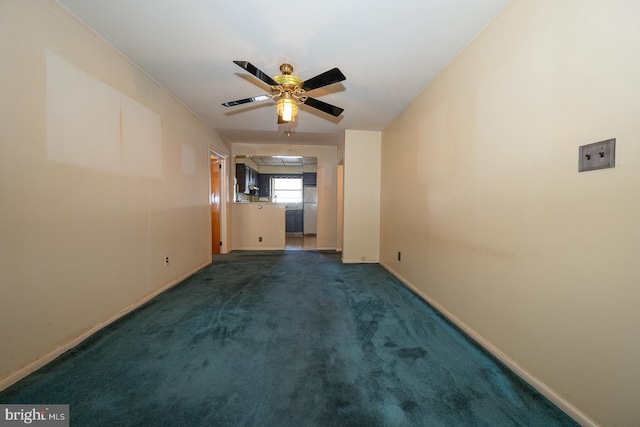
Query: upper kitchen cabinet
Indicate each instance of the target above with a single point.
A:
(264, 185)
(246, 177)
(309, 178)
(253, 177)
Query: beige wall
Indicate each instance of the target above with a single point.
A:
(78, 244)
(258, 226)
(361, 208)
(499, 228)
(326, 177)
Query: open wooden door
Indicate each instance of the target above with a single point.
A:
(215, 205)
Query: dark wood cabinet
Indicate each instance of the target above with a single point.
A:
(242, 178)
(246, 176)
(294, 221)
(309, 178)
(253, 177)
(264, 184)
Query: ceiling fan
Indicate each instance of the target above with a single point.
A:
(289, 90)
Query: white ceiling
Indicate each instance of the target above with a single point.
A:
(388, 50)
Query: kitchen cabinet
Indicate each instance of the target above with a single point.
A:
(264, 184)
(293, 221)
(309, 178)
(253, 177)
(242, 178)
(246, 176)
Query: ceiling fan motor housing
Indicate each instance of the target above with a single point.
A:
(289, 83)
(288, 91)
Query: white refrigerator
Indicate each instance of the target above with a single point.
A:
(310, 206)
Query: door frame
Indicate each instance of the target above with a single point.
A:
(224, 196)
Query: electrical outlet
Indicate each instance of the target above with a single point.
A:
(166, 260)
(599, 155)
(399, 256)
(260, 239)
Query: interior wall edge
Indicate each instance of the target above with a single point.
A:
(534, 382)
(62, 348)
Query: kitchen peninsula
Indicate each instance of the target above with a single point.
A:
(258, 226)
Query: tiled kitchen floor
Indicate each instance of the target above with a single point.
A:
(298, 242)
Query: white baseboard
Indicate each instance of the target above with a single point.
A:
(541, 387)
(358, 261)
(259, 248)
(68, 345)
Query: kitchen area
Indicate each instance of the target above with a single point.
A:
(275, 203)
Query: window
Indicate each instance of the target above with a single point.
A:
(287, 190)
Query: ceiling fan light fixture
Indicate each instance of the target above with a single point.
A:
(287, 90)
(287, 108)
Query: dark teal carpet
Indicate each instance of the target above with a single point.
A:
(290, 338)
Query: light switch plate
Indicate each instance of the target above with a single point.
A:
(599, 155)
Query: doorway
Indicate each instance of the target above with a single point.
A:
(216, 241)
(290, 180)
